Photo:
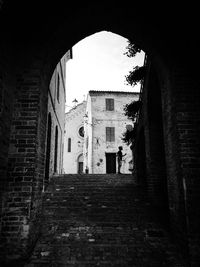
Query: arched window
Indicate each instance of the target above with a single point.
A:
(48, 147)
(56, 150)
(81, 131)
(58, 87)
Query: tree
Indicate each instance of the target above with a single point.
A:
(131, 110)
(132, 49)
(133, 78)
(128, 136)
(137, 73)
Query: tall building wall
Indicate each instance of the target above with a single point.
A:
(73, 139)
(56, 109)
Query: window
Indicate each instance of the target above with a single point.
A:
(87, 142)
(48, 147)
(56, 150)
(109, 104)
(58, 87)
(81, 131)
(110, 134)
(69, 144)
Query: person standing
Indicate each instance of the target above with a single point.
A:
(119, 158)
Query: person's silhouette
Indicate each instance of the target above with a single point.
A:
(119, 158)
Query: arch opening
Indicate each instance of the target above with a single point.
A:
(57, 47)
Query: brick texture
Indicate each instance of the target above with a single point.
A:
(187, 97)
(6, 100)
(169, 120)
(22, 165)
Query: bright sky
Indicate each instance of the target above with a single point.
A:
(99, 63)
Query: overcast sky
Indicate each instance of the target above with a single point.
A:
(99, 63)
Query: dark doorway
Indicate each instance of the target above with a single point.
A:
(56, 150)
(48, 149)
(110, 162)
(80, 164)
(80, 167)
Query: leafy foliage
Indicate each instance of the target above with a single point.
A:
(132, 49)
(128, 136)
(136, 75)
(132, 109)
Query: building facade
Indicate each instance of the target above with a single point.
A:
(104, 125)
(73, 139)
(56, 119)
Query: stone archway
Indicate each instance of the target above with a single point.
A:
(28, 58)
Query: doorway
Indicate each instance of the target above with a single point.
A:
(80, 164)
(48, 149)
(56, 150)
(110, 162)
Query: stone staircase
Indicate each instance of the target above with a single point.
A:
(100, 220)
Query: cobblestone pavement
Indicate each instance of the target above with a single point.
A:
(100, 220)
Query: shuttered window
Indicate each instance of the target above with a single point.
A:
(69, 144)
(109, 104)
(110, 134)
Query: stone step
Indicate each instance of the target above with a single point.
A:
(99, 221)
(92, 178)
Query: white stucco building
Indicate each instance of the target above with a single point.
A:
(73, 139)
(93, 132)
(104, 124)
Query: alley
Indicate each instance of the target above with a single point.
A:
(100, 220)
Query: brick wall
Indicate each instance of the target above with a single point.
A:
(173, 163)
(23, 164)
(26, 159)
(180, 116)
(155, 151)
(163, 162)
(187, 95)
(6, 99)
